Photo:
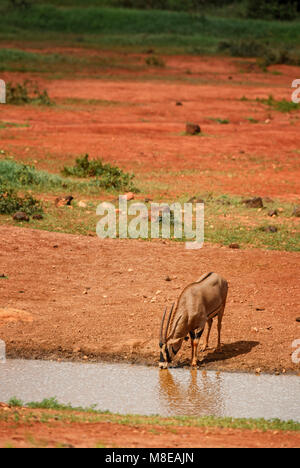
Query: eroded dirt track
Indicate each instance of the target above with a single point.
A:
(103, 299)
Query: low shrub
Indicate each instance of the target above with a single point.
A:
(11, 202)
(106, 176)
(27, 92)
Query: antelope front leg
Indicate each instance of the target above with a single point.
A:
(195, 342)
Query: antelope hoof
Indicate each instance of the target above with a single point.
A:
(163, 365)
(194, 363)
(203, 348)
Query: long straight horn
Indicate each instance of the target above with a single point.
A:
(162, 326)
(168, 322)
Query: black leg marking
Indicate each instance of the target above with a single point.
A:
(199, 334)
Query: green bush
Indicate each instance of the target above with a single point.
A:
(26, 93)
(267, 56)
(272, 9)
(11, 202)
(106, 175)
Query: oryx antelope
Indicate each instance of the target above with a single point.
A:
(197, 305)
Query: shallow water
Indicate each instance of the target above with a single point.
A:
(125, 388)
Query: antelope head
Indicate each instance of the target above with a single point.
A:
(166, 351)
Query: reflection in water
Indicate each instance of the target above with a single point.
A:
(200, 395)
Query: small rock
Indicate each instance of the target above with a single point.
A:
(296, 211)
(260, 308)
(20, 216)
(192, 129)
(168, 278)
(255, 202)
(64, 201)
(179, 103)
(129, 196)
(234, 246)
(298, 319)
(269, 229)
(273, 213)
(82, 204)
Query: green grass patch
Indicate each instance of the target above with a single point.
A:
(219, 121)
(68, 413)
(4, 125)
(171, 31)
(104, 177)
(280, 106)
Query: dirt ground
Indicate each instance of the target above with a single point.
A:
(66, 434)
(138, 125)
(82, 298)
(85, 297)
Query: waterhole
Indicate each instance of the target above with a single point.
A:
(125, 388)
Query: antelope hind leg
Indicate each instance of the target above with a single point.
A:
(220, 317)
(205, 345)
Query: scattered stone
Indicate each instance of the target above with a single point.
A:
(273, 213)
(296, 211)
(234, 246)
(255, 202)
(260, 308)
(38, 217)
(129, 196)
(20, 216)
(82, 204)
(168, 278)
(179, 103)
(64, 201)
(298, 319)
(192, 129)
(269, 229)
